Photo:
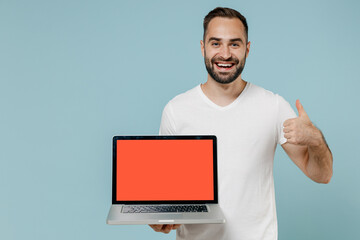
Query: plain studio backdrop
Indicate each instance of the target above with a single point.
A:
(75, 73)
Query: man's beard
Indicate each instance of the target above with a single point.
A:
(224, 78)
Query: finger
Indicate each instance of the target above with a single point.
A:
(176, 226)
(300, 109)
(287, 129)
(287, 136)
(291, 138)
(167, 228)
(156, 227)
(288, 122)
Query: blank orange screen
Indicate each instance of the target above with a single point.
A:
(153, 170)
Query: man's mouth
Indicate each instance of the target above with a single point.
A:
(224, 66)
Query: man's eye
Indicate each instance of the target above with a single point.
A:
(235, 45)
(215, 44)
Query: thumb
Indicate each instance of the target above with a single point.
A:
(300, 109)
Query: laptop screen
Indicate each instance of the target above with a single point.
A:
(164, 169)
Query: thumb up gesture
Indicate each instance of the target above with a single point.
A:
(300, 130)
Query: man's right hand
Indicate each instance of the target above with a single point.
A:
(164, 228)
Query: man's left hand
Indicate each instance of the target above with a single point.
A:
(300, 130)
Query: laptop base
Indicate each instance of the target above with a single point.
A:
(116, 217)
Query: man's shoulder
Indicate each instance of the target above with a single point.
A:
(185, 97)
(267, 98)
(256, 89)
(259, 95)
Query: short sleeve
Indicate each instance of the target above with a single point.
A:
(284, 112)
(167, 125)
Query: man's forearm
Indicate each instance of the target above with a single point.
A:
(320, 161)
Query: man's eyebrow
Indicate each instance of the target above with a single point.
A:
(231, 40)
(236, 39)
(214, 38)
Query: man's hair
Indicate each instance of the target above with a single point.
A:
(225, 13)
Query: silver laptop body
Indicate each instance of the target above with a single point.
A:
(172, 172)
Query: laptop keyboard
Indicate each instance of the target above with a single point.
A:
(164, 208)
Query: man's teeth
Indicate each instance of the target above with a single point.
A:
(224, 65)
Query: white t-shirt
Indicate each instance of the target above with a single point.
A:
(248, 131)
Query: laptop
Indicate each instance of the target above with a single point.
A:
(164, 180)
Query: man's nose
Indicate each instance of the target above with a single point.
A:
(225, 52)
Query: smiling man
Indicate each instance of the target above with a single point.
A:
(249, 122)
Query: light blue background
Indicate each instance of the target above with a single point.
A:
(75, 73)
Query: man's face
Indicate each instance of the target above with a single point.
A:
(225, 49)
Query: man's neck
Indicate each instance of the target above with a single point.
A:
(223, 94)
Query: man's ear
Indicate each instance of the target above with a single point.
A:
(202, 47)
(248, 49)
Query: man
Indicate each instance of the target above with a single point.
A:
(249, 122)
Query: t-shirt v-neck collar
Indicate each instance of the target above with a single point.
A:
(214, 105)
